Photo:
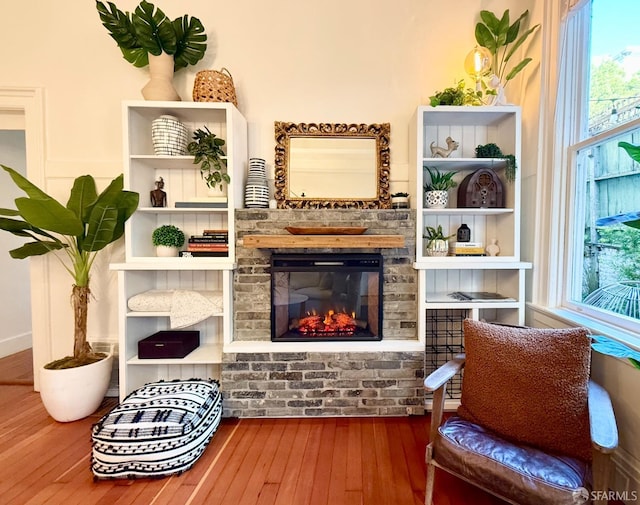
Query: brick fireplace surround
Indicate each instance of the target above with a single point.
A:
(265, 379)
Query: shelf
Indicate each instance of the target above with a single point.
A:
(469, 262)
(175, 264)
(472, 211)
(464, 163)
(205, 354)
(166, 162)
(320, 241)
(181, 210)
(158, 314)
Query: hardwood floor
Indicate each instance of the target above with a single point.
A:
(317, 461)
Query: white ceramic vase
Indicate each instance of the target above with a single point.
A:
(169, 136)
(436, 199)
(165, 251)
(160, 85)
(75, 393)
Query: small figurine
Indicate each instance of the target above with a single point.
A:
(499, 98)
(493, 249)
(159, 197)
(441, 152)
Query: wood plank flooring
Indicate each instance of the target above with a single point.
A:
(311, 461)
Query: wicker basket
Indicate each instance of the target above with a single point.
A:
(214, 86)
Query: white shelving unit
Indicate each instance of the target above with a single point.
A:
(143, 271)
(439, 276)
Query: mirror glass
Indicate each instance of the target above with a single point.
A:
(332, 165)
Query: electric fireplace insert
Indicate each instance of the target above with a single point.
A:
(334, 297)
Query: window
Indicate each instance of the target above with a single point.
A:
(603, 254)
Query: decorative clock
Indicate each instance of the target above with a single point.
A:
(481, 189)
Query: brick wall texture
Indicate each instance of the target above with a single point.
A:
(291, 384)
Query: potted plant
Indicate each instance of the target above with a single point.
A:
(167, 239)
(456, 95)
(437, 241)
(207, 151)
(502, 38)
(437, 190)
(86, 225)
(493, 151)
(400, 200)
(148, 37)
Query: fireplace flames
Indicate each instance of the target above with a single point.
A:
(335, 323)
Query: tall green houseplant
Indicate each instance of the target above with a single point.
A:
(86, 225)
(503, 38)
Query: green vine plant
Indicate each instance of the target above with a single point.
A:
(493, 151)
(503, 39)
(457, 95)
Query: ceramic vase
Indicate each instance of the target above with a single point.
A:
(436, 199)
(165, 251)
(437, 247)
(169, 136)
(256, 192)
(160, 85)
(74, 393)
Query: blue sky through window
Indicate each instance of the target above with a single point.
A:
(615, 26)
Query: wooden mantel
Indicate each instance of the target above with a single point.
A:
(322, 241)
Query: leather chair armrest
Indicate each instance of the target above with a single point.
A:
(436, 383)
(604, 431)
(443, 374)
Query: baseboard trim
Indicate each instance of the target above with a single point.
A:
(14, 344)
(626, 476)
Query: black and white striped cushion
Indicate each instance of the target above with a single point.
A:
(158, 430)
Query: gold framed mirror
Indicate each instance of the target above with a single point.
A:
(332, 165)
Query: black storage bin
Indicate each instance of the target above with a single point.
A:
(168, 344)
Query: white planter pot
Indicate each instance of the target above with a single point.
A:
(165, 251)
(399, 202)
(436, 199)
(75, 393)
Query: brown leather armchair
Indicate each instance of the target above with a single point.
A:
(517, 473)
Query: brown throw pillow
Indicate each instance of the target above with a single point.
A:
(529, 385)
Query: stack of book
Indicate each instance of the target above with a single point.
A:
(210, 243)
(468, 249)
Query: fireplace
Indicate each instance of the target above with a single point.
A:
(334, 297)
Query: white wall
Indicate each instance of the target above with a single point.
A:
(15, 293)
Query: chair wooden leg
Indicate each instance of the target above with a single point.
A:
(601, 468)
(431, 476)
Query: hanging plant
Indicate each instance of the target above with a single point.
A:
(493, 151)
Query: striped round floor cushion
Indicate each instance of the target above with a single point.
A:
(158, 430)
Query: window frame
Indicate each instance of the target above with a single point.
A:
(574, 238)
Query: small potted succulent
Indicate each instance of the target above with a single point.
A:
(168, 239)
(437, 241)
(207, 151)
(400, 200)
(436, 194)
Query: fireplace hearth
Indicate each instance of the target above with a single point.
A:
(320, 297)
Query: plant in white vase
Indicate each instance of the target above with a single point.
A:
(167, 239)
(437, 189)
(78, 231)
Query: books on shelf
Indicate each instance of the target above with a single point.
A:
(468, 249)
(201, 205)
(478, 296)
(204, 254)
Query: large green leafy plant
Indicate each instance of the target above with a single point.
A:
(86, 225)
(149, 31)
(503, 38)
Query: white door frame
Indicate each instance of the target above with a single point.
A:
(30, 103)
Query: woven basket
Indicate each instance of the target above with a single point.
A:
(214, 86)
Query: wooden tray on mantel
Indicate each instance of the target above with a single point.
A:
(326, 230)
